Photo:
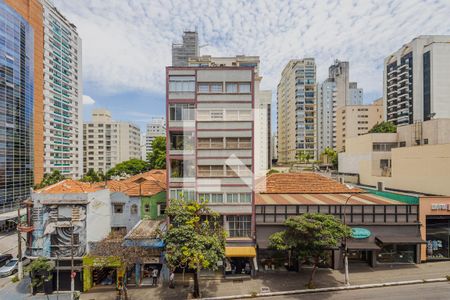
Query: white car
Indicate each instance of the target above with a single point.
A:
(11, 266)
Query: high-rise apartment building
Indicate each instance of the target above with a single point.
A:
(297, 110)
(355, 94)
(32, 13)
(326, 115)
(417, 80)
(63, 138)
(108, 142)
(188, 48)
(210, 143)
(355, 120)
(16, 105)
(157, 127)
(339, 72)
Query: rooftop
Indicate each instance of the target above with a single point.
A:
(145, 229)
(302, 183)
(69, 186)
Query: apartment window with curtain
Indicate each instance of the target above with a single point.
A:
(181, 84)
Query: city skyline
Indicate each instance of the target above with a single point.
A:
(119, 37)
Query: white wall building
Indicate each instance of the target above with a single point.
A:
(62, 95)
(157, 127)
(326, 115)
(108, 142)
(417, 80)
(355, 94)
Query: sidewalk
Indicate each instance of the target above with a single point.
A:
(284, 281)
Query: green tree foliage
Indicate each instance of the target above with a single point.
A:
(332, 156)
(40, 271)
(194, 239)
(92, 176)
(384, 127)
(130, 167)
(304, 156)
(157, 158)
(309, 236)
(50, 178)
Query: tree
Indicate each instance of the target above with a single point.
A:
(92, 176)
(332, 156)
(194, 238)
(41, 270)
(309, 236)
(384, 127)
(157, 158)
(127, 168)
(304, 156)
(50, 178)
(112, 247)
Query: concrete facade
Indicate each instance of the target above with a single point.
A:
(157, 127)
(63, 92)
(355, 120)
(391, 158)
(211, 139)
(417, 80)
(326, 115)
(297, 111)
(188, 48)
(108, 142)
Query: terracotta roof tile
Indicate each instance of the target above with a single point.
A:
(302, 183)
(69, 186)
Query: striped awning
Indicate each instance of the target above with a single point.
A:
(323, 199)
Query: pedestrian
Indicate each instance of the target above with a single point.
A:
(172, 280)
(155, 277)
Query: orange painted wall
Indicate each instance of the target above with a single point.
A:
(32, 11)
(424, 211)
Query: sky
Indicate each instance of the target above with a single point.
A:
(127, 43)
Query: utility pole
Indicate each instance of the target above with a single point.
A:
(19, 247)
(72, 273)
(57, 276)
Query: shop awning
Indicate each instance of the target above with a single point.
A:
(362, 245)
(400, 240)
(240, 252)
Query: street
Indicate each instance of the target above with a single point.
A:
(8, 245)
(435, 291)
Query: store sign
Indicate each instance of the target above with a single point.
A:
(440, 206)
(360, 233)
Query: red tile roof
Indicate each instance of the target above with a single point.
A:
(302, 183)
(321, 199)
(69, 186)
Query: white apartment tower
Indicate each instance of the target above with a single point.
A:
(157, 127)
(108, 142)
(326, 115)
(297, 110)
(62, 95)
(417, 81)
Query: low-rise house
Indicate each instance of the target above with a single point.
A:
(391, 228)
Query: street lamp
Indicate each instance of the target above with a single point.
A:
(347, 280)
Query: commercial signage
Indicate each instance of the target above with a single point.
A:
(360, 233)
(440, 206)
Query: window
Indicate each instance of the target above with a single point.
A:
(211, 197)
(402, 144)
(182, 194)
(118, 208)
(383, 147)
(216, 115)
(239, 226)
(210, 87)
(161, 209)
(244, 87)
(233, 198)
(425, 141)
(203, 87)
(239, 198)
(216, 87)
(181, 168)
(179, 141)
(182, 84)
(146, 208)
(232, 87)
(134, 209)
(181, 112)
(385, 163)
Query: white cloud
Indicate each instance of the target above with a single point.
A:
(87, 100)
(127, 44)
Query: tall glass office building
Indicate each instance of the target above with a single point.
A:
(16, 106)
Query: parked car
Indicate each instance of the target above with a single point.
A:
(11, 266)
(4, 259)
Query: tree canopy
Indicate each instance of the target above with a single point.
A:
(332, 156)
(50, 178)
(194, 239)
(384, 127)
(92, 176)
(310, 236)
(127, 168)
(157, 158)
(304, 156)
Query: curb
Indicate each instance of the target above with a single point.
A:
(330, 289)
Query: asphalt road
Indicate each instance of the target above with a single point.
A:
(432, 291)
(8, 245)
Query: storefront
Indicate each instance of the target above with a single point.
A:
(385, 231)
(435, 219)
(240, 260)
